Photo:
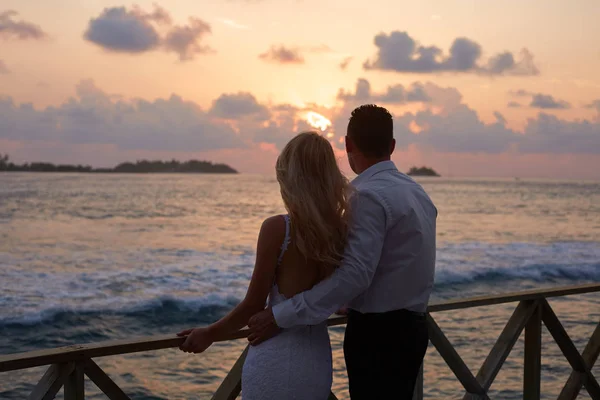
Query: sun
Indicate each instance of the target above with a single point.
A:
(317, 121)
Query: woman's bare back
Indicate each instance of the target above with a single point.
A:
(295, 274)
(297, 362)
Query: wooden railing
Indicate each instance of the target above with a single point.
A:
(69, 365)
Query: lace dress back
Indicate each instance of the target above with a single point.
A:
(295, 364)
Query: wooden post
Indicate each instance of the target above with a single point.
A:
(232, 384)
(590, 355)
(533, 356)
(456, 364)
(103, 381)
(74, 389)
(503, 346)
(51, 382)
(569, 350)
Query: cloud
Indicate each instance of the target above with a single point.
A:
(345, 62)
(283, 55)
(159, 15)
(549, 134)
(22, 30)
(239, 125)
(506, 63)
(401, 53)
(540, 100)
(545, 101)
(448, 125)
(94, 117)
(395, 94)
(120, 30)
(500, 118)
(185, 40)
(460, 131)
(520, 93)
(239, 105)
(3, 68)
(595, 104)
(135, 31)
(514, 104)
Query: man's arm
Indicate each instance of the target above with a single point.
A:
(353, 277)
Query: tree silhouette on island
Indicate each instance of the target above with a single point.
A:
(423, 171)
(141, 166)
(145, 166)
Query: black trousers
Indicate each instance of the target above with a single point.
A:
(384, 353)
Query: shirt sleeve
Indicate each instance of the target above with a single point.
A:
(353, 277)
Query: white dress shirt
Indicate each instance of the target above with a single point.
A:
(389, 260)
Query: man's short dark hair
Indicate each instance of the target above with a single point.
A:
(372, 130)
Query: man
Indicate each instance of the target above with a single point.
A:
(387, 273)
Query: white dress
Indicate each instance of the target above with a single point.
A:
(295, 364)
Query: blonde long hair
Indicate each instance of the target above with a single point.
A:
(315, 194)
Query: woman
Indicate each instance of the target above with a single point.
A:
(294, 252)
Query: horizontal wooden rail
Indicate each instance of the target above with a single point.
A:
(80, 352)
(535, 294)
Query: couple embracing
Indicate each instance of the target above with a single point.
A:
(367, 248)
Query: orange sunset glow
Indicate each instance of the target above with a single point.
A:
(476, 88)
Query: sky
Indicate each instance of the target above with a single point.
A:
(476, 87)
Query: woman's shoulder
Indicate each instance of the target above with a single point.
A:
(274, 227)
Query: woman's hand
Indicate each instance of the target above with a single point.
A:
(198, 340)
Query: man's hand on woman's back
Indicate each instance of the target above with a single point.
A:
(262, 327)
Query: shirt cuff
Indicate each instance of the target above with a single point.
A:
(284, 314)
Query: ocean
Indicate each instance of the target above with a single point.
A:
(93, 257)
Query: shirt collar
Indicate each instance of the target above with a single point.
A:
(374, 169)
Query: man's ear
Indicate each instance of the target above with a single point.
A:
(393, 146)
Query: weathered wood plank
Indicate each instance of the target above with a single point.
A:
(569, 350)
(103, 381)
(456, 364)
(590, 354)
(93, 350)
(74, 385)
(533, 357)
(514, 297)
(503, 346)
(51, 382)
(231, 386)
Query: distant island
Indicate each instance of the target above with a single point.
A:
(142, 166)
(423, 171)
